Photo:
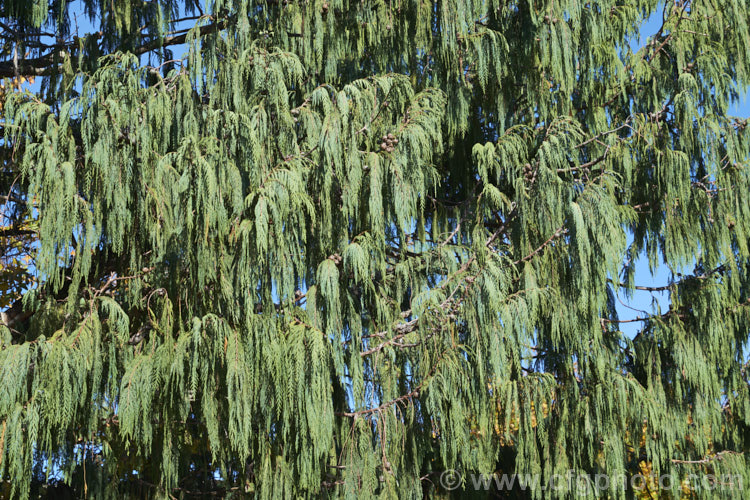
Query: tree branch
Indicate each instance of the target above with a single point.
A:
(45, 65)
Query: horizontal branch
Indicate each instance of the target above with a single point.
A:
(719, 456)
(11, 232)
(673, 285)
(12, 199)
(45, 65)
(408, 396)
(384, 406)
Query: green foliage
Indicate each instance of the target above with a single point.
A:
(341, 247)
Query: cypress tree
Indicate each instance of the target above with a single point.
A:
(335, 248)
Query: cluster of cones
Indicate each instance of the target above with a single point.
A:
(389, 143)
